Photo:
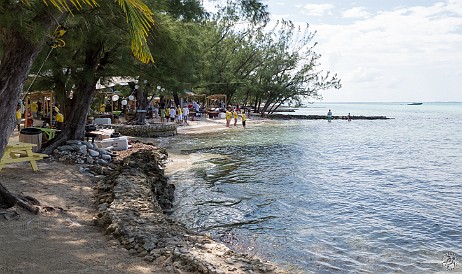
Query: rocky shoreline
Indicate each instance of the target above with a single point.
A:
(133, 197)
(323, 117)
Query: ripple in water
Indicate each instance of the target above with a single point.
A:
(361, 196)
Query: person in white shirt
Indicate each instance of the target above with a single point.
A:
(185, 113)
(172, 114)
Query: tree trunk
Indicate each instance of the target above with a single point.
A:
(255, 104)
(18, 56)
(19, 53)
(8, 199)
(142, 103)
(74, 124)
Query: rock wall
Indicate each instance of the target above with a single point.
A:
(149, 131)
(131, 201)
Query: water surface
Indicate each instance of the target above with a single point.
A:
(360, 196)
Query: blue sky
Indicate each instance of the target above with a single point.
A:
(385, 51)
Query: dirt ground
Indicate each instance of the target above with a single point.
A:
(63, 239)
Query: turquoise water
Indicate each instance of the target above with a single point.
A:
(361, 196)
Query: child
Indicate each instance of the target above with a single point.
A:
(244, 118)
(228, 117)
(185, 113)
(235, 117)
(172, 114)
(167, 114)
(18, 117)
(179, 115)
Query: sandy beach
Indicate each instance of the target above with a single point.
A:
(63, 238)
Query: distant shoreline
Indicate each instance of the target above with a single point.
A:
(324, 117)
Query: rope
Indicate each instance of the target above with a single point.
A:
(40, 69)
(36, 75)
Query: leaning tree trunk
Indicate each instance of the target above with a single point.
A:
(19, 52)
(18, 56)
(76, 114)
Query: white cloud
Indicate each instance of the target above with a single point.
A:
(357, 12)
(402, 54)
(317, 9)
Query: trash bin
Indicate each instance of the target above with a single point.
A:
(33, 136)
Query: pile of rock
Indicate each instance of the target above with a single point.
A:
(81, 152)
(131, 204)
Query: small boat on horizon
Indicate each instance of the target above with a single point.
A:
(414, 104)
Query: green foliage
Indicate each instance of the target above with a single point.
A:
(247, 62)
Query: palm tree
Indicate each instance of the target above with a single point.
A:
(24, 27)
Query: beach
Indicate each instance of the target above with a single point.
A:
(68, 236)
(307, 196)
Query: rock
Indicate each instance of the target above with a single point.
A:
(88, 144)
(143, 253)
(102, 207)
(106, 157)
(102, 151)
(65, 148)
(101, 162)
(93, 153)
(150, 245)
(132, 197)
(149, 258)
(80, 148)
(73, 142)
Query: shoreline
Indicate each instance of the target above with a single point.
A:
(151, 242)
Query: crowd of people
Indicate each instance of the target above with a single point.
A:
(169, 112)
(34, 110)
(233, 113)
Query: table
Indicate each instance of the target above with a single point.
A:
(49, 132)
(16, 152)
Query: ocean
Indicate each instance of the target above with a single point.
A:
(360, 196)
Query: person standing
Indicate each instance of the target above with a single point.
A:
(197, 109)
(329, 115)
(59, 121)
(235, 117)
(244, 118)
(167, 113)
(179, 115)
(228, 117)
(185, 113)
(172, 114)
(18, 117)
(156, 110)
(349, 117)
(34, 109)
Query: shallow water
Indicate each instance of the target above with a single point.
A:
(359, 196)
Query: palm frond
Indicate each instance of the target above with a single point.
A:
(138, 16)
(140, 19)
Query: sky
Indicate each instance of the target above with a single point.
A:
(384, 50)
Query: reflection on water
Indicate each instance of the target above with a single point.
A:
(361, 196)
